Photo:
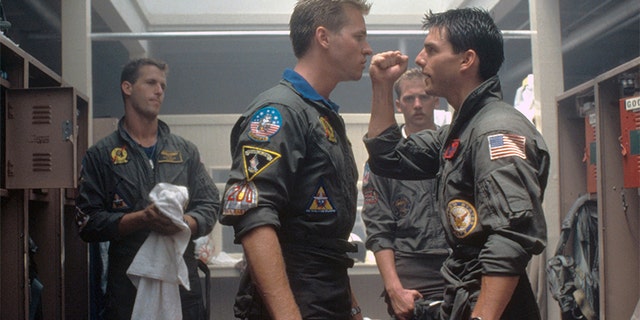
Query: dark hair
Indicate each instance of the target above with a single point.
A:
(131, 71)
(471, 28)
(308, 15)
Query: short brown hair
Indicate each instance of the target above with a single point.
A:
(308, 15)
(413, 73)
(131, 71)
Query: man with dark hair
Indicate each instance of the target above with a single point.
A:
(292, 192)
(492, 165)
(401, 216)
(119, 172)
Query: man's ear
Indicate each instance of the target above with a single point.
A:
(126, 87)
(469, 59)
(322, 36)
(398, 105)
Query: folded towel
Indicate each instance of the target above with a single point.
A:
(158, 268)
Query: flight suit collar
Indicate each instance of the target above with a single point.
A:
(306, 90)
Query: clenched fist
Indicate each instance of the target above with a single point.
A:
(388, 66)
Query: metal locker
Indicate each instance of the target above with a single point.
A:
(41, 138)
(630, 140)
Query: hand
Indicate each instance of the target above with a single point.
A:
(402, 302)
(388, 66)
(158, 222)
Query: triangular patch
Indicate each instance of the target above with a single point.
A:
(320, 202)
(256, 160)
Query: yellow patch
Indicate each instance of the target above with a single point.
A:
(320, 202)
(119, 155)
(256, 160)
(328, 129)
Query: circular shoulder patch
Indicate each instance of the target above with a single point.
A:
(119, 155)
(462, 217)
(401, 205)
(265, 123)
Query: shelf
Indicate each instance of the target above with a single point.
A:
(5, 83)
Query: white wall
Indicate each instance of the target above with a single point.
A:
(211, 134)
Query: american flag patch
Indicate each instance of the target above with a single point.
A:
(506, 145)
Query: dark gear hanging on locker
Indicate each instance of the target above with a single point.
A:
(573, 276)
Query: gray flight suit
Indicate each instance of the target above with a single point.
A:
(293, 169)
(116, 179)
(492, 167)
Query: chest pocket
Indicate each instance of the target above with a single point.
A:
(123, 188)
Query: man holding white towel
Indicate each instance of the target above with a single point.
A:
(118, 173)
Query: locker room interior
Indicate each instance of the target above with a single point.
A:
(584, 56)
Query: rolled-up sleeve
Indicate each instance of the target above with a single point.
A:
(509, 203)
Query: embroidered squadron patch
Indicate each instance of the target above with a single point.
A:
(170, 157)
(328, 129)
(119, 155)
(462, 216)
(320, 202)
(118, 203)
(265, 123)
(368, 191)
(370, 195)
(366, 174)
(256, 160)
(240, 197)
(402, 205)
(451, 149)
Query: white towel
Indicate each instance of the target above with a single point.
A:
(158, 268)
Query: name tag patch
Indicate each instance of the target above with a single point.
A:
(170, 157)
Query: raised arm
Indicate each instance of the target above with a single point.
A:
(385, 69)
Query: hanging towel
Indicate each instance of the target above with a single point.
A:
(158, 268)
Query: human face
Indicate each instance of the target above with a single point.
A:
(416, 106)
(349, 47)
(439, 63)
(146, 95)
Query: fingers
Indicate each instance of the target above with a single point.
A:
(387, 67)
(385, 60)
(167, 229)
(158, 222)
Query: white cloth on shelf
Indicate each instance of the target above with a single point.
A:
(158, 268)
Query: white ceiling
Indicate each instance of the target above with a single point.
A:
(162, 15)
(221, 73)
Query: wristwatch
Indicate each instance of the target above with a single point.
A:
(355, 310)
